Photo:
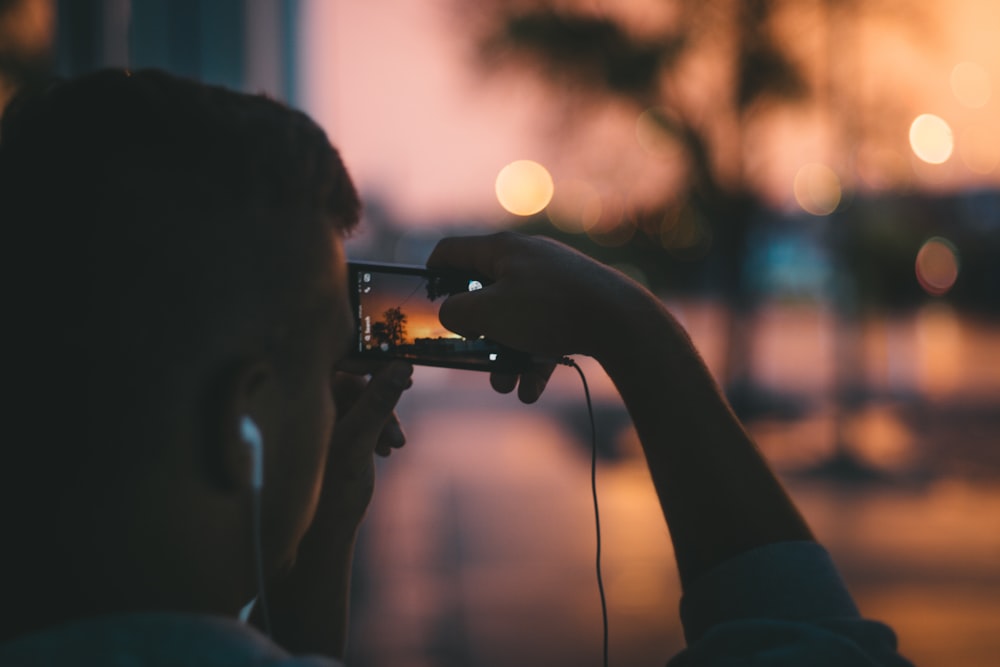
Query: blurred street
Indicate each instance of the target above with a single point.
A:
(479, 547)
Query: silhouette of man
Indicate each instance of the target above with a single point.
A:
(177, 323)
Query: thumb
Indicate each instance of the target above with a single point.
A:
(469, 314)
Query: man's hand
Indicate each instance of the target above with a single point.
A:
(308, 606)
(545, 299)
(366, 425)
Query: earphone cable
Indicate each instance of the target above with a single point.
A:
(593, 488)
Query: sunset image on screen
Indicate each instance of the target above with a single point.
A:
(399, 309)
(398, 317)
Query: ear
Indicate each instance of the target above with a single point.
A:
(241, 425)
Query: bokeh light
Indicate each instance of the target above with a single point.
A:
(524, 187)
(817, 189)
(931, 139)
(937, 265)
(575, 206)
(971, 85)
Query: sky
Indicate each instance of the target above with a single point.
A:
(396, 85)
(395, 91)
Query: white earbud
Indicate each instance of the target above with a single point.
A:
(255, 443)
(251, 435)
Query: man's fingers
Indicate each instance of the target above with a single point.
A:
(530, 384)
(534, 381)
(468, 314)
(360, 427)
(392, 437)
(503, 382)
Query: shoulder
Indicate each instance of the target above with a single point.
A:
(153, 639)
(781, 604)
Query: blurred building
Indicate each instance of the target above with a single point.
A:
(237, 43)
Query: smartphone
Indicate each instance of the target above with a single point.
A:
(396, 309)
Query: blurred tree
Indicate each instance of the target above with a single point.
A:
(601, 56)
(380, 335)
(703, 73)
(395, 326)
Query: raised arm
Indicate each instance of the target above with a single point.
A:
(718, 495)
(308, 604)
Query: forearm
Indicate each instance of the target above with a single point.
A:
(309, 609)
(309, 605)
(717, 493)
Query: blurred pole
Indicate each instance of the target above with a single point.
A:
(78, 36)
(192, 38)
(242, 44)
(270, 48)
(91, 34)
(850, 390)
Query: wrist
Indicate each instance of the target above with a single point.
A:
(633, 324)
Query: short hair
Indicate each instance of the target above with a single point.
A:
(155, 221)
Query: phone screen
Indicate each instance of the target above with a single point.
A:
(397, 318)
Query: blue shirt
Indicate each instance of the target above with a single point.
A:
(781, 604)
(152, 640)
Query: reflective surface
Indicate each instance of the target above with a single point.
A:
(479, 547)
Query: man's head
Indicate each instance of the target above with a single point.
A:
(176, 264)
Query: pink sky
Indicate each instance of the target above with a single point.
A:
(395, 84)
